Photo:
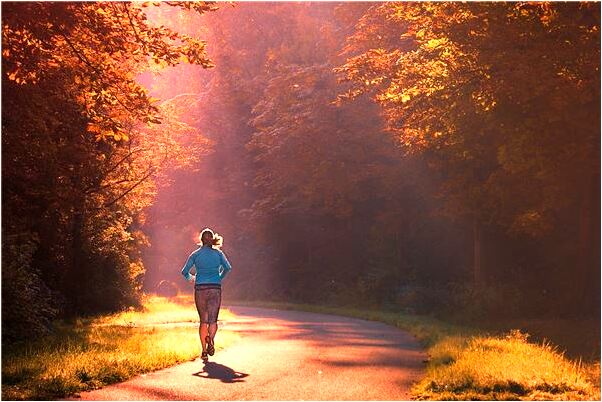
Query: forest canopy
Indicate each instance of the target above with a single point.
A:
(432, 157)
(83, 145)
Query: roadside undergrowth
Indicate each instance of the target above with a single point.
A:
(93, 352)
(471, 364)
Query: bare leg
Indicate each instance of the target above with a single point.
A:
(203, 335)
(200, 307)
(212, 330)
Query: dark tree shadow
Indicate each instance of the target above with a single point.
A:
(220, 372)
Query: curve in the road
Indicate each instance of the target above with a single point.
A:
(289, 355)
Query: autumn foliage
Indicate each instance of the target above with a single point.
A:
(434, 157)
(83, 147)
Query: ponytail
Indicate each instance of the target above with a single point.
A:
(214, 239)
(217, 240)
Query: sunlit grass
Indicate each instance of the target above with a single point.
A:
(470, 364)
(95, 352)
(487, 367)
(158, 310)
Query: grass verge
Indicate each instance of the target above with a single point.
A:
(467, 363)
(93, 352)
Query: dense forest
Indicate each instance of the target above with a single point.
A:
(437, 158)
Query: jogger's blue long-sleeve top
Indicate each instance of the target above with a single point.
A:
(211, 265)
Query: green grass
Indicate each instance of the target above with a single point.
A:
(90, 353)
(465, 363)
(578, 337)
(468, 363)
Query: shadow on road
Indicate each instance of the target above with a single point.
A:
(220, 372)
(350, 342)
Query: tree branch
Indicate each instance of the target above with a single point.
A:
(151, 170)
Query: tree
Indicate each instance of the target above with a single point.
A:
(84, 145)
(313, 177)
(504, 99)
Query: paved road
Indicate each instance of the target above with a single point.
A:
(289, 355)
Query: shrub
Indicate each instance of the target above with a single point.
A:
(460, 300)
(27, 306)
(167, 289)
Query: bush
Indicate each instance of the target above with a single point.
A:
(27, 306)
(460, 300)
(422, 299)
(471, 302)
(167, 289)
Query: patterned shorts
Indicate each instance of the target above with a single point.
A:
(208, 298)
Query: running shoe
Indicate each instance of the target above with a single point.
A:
(210, 347)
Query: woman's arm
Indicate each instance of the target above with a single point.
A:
(187, 267)
(225, 263)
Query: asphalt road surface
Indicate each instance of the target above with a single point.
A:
(289, 355)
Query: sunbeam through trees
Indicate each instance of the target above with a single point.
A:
(438, 158)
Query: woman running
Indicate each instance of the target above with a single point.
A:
(211, 268)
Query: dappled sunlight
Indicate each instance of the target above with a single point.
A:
(106, 350)
(509, 367)
(432, 167)
(159, 310)
(463, 363)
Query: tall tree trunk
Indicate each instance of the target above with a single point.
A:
(477, 247)
(398, 251)
(73, 285)
(587, 265)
